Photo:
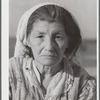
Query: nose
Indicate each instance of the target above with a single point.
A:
(49, 44)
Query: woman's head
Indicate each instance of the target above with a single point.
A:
(51, 14)
(54, 13)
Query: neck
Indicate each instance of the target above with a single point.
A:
(48, 70)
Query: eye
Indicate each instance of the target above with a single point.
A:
(58, 37)
(40, 36)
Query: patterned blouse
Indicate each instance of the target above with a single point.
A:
(71, 83)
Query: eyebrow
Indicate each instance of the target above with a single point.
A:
(58, 32)
(40, 32)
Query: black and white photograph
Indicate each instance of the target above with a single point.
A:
(52, 50)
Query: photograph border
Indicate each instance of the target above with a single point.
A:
(5, 49)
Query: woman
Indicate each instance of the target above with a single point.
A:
(42, 67)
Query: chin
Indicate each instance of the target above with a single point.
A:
(47, 62)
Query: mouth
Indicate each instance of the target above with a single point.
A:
(49, 56)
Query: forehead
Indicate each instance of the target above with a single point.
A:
(40, 25)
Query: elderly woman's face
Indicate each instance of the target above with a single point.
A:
(48, 42)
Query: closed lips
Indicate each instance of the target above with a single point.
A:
(50, 55)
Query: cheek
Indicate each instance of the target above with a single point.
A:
(36, 47)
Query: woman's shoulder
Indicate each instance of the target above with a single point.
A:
(87, 83)
(86, 80)
(81, 73)
(15, 60)
(16, 64)
(78, 70)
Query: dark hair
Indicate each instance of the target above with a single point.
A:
(53, 13)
